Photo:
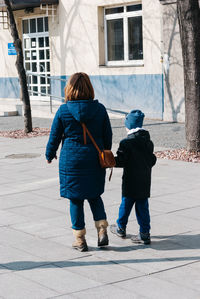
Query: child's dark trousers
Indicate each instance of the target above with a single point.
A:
(141, 211)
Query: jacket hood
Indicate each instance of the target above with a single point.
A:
(140, 134)
(141, 138)
(83, 110)
(143, 134)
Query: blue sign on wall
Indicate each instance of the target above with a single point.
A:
(11, 49)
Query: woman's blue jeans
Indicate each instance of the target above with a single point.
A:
(141, 211)
(77, 211)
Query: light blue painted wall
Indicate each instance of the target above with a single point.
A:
(9, 87)
(125, 92)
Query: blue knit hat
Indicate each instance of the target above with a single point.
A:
(134, 119)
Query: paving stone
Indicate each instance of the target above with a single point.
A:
(108, 292)
(106, 271)
(153, 287)
(19, 199)
(48, 250)
(34, 212)
(9, 218)
(42, 229)
(172, 224)
(3, 270)
(60, 280)
(186, 277)
(13, 286)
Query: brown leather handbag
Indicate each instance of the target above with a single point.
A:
(106, 157)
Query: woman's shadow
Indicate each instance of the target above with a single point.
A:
(175, 242)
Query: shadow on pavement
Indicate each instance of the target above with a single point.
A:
(163, 243)
(29, 265)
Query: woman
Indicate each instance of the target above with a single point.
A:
(81, 176)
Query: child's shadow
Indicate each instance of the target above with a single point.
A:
(176, 242)
(129, 247)
(160, 243)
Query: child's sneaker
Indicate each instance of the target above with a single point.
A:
(142, 238)
(120, 232)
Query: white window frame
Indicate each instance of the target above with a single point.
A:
(123, 15)
(36, 35)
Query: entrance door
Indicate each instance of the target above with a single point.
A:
(37, 56)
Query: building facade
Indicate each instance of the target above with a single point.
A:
(130, 49)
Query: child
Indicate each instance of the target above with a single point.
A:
(135, 155)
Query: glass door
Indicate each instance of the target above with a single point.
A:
(37, 56)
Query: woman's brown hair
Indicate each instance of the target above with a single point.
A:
(79, 87)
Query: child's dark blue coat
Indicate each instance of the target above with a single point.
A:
(135, 155)
(81, 176)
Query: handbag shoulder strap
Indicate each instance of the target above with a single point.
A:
(85, 130)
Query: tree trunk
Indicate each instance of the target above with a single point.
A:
(189, 24)
(20, 69)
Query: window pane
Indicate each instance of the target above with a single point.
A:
(113, 10)
(32, 26)
(40, 27)
(25, 26)
(47, 54)
(48, 66)
(33, 55)
(47, 41)
(36, 90)
(34, 79)
(41, 42)
(46, 24)
(41, 54)
(33, 42)
(27, 55)
(34, 67)
(27, 66)
(27, 43)
(134, 7)
(29, 81)
(42, 67)
(115, 39)
(43, 90)
(135, 38)
(42, 80)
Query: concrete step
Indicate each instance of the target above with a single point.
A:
(10, 107)
(8, 113)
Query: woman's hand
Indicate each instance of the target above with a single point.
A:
(51, 160)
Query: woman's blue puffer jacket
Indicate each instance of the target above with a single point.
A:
(81, 176)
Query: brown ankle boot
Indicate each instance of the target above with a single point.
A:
(101, 226)
(80, 242)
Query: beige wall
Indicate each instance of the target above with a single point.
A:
(77, 39)
(80, 37)
(7, 68)
(174, 108)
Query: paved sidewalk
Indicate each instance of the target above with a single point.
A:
(36, 258)
(164, 134)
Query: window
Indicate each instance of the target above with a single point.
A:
(37, 55)
(123, 35)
